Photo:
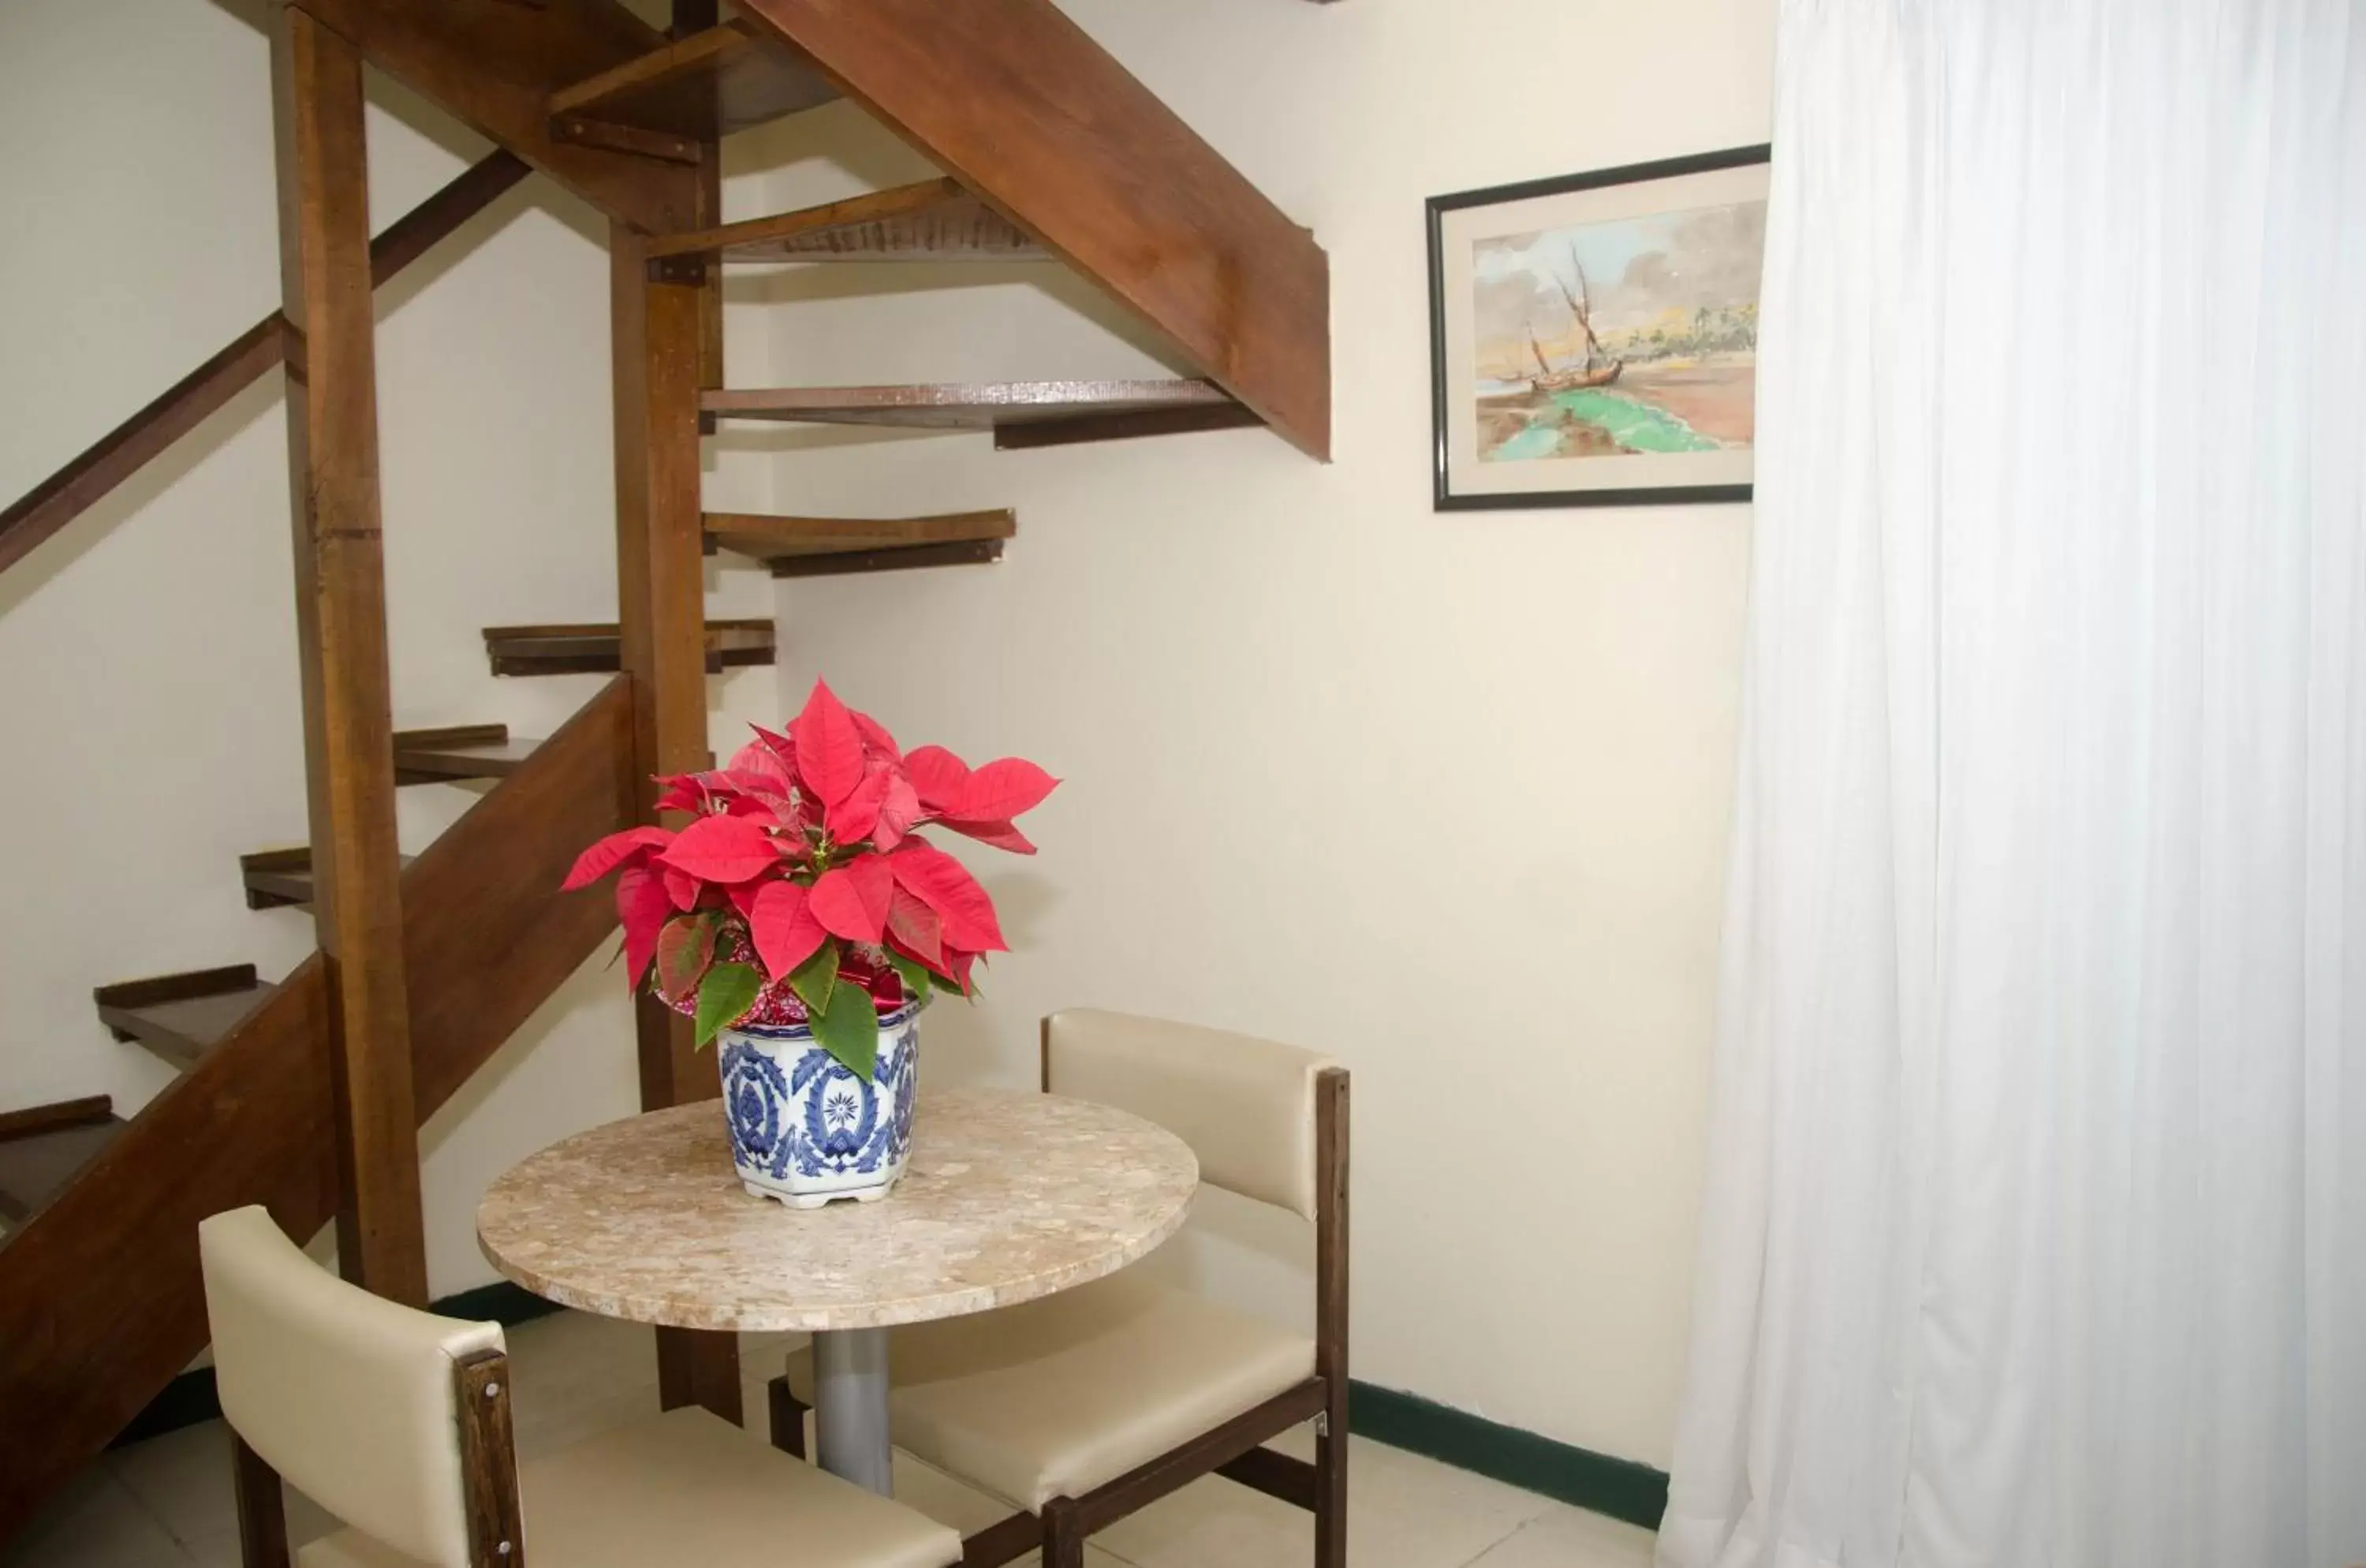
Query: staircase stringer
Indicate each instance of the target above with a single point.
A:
(1021, 104)
(100, 1291)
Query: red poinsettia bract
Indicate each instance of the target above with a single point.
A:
(801, 889)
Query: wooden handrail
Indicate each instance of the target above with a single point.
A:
(100, 1290)
(125, 450)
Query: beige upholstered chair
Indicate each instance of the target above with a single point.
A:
(398, 1422)
(1085, 1405)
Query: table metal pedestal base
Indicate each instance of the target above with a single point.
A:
(850, 1406)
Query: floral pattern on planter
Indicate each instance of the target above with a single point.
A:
(805, 1129)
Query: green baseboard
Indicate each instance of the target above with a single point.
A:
(190, 1398)
(1618, 1488)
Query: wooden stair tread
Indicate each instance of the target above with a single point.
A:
(41, 1150)
(767, 535)
(465, 751)
(974, 406)
(705, 87)
(281, 878)
(969, 406)
(181, 1032)
(181, 1017)
(821, 547)
(597, 647)
(934, 220)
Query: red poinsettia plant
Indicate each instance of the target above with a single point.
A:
(801, 890)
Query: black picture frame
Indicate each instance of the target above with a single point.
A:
(1433, 211)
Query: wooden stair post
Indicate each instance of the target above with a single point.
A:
(655, 322)
(325, 247)
(692, 18)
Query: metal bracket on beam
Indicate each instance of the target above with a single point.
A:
(629, 138)
(689, 271)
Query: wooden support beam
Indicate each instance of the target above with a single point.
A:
(341, 627)
(1017, 103)
(690, 18)
(494, 67)
(706, 82)
(655, 339)
(661, 611)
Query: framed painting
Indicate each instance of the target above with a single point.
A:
(1594, 339)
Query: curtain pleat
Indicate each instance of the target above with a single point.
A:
(2035, 1225)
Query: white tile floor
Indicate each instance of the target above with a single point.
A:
(166, 1503)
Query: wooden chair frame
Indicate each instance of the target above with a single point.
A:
(1235, 1450)
(481, 1397)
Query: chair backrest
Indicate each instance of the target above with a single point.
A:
(1247, 1107)
(346, 1394)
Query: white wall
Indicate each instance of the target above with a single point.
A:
(1446, 795)
(148, 685)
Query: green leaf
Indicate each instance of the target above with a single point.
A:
(848, 1030)
(685, 947)
(728, 991)
(915, 975)
(953, 988)
(813, 980)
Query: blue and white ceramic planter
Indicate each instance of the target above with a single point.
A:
(804, 1128)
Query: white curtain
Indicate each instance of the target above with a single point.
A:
(2035, 1230)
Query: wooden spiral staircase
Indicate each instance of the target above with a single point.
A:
(306, 1095)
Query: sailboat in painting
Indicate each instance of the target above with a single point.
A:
(1600, 369)
(1601, 343)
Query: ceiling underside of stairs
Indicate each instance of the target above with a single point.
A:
(1049, 148)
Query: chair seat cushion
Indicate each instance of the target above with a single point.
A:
(1060, 1395)
(689, 1487)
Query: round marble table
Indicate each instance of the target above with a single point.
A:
(1006, 1197)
